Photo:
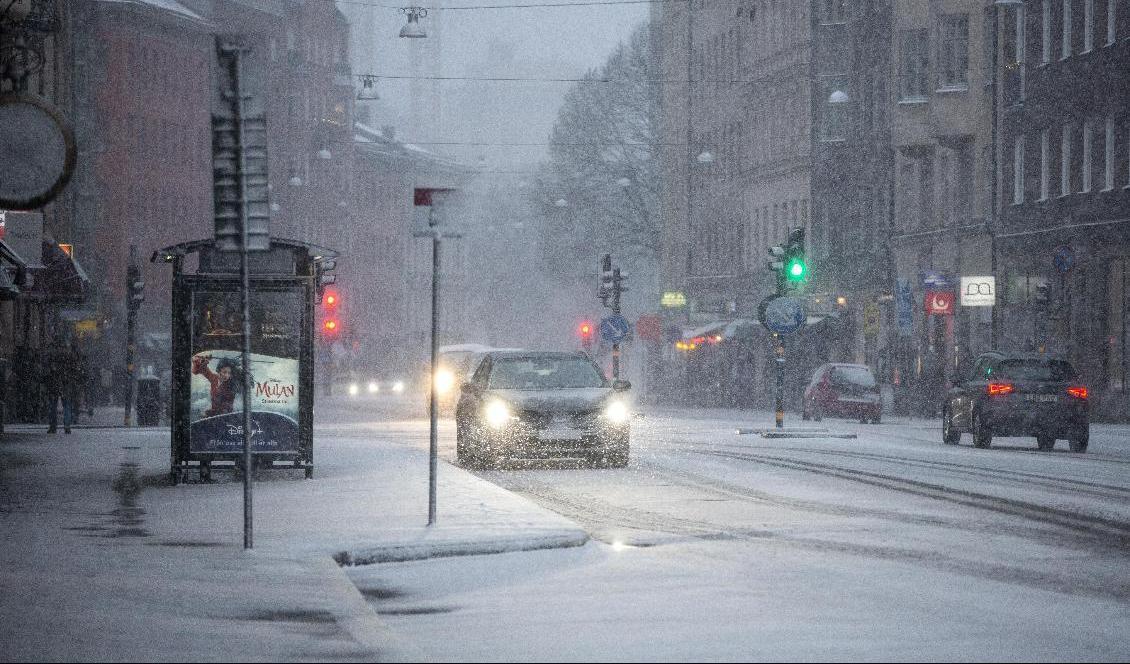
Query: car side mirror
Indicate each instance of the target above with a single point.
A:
(621, 385)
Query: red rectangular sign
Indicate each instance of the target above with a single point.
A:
(939, 303)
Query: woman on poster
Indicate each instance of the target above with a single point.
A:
(226, 382)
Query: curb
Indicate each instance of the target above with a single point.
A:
(356, 616)
(398, 553)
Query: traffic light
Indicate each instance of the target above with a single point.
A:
(331, 323)
(606, 284)
(585, 331)
(789, 262)
(135, 286)
(796, 263)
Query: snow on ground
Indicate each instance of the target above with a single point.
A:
(718, 546)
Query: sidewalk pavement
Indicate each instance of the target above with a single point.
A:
(104, 560)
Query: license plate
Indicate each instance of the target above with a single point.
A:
(561, 433)
(1041, 397)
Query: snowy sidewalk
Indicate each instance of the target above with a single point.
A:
(104, 560)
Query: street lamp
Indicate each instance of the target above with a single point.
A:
(705, 157)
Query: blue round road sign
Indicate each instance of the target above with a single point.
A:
(784, 315)
(614, 328)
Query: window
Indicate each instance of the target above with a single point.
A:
(1045, 167)
(1065, 51)
(1087, 126)
(1088, 25)
(954, 51)
(1108, 155)
(1046, 54)
(1065, 162)
(1020, 47)
(915, 65)
(1018, 171)
(1111, 15)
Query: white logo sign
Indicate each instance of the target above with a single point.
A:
(978, 291)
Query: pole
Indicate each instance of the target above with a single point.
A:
(780, 362)
(616, 289)
(132, 276)
(433, 439)
(245, 297)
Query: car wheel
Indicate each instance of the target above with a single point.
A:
(1045, 442)
(982, 435)
(1079, 444)
(950, 435)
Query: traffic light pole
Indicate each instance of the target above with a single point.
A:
(133, 273)
(433, 408)
(616, 289)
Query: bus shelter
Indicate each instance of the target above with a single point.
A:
(206, 409)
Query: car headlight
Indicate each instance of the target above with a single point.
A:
(373, 387)
(497, 414)
(445, 380)
(398, 386)
(616, 412)
(353, 389)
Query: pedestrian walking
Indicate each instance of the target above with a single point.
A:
(63, 376)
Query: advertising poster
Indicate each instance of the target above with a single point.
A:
(216, 387)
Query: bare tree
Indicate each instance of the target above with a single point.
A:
(599, 187)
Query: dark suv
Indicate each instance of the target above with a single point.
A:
(1018, 394)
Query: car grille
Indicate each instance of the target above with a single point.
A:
(542, 419)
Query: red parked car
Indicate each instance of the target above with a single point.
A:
(843, 390)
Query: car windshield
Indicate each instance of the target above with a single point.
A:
(857, 376)
(544, 373)
(1035, 370)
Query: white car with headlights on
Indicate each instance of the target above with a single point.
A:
(542, 405)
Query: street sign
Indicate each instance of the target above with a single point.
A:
(904, 303)
(978, 291)
(782, 315)
(936, 280)
(674, 299)
(37, 151)
(939, 303)
(614, 328)
(1064, 258)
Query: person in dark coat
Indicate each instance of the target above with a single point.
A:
(62, 380)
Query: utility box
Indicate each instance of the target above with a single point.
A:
(148, 401)
(206, 400)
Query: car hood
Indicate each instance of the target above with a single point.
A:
(555, 401)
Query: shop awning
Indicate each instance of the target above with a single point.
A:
(62, 278)
(11, 264)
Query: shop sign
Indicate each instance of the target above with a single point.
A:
(978, 291)
(673, 299)
(939, 303)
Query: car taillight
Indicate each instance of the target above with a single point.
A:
(1077, 392)
(998, 389)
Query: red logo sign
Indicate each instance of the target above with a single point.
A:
(939, 303)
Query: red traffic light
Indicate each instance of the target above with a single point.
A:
(329, 327)
(331, 299)
(585, 330)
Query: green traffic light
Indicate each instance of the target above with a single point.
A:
(797, 270)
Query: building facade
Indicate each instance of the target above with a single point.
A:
(1063, 239)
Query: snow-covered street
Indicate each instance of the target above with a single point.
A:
(714, 545)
